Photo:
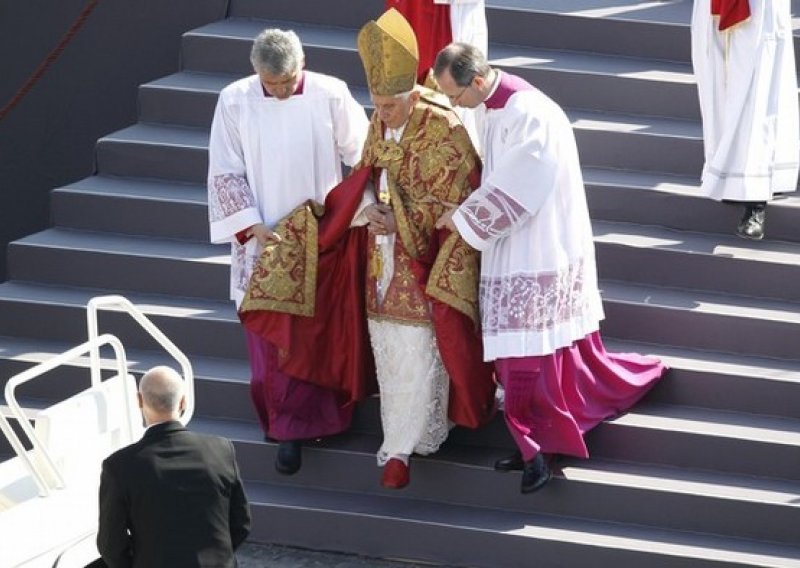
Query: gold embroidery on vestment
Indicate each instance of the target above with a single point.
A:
(285, 276)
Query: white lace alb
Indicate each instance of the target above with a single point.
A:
(414, 389)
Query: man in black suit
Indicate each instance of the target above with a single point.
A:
(174, 498)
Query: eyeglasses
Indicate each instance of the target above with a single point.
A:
(454, 98)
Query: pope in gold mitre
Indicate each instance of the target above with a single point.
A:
(388, 50)
(422, 283)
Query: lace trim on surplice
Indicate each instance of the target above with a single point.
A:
(493, 214)
(231, 193)
(534, 302)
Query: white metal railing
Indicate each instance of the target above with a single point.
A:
(19, 449)
(119, 302)
(40, 476)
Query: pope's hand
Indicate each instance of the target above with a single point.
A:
(381, 219)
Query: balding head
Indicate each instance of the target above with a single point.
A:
(161, 394)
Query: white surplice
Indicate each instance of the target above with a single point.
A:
(266, 156)
(747, 85)
(530, 221)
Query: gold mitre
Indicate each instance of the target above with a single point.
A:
(388, 50)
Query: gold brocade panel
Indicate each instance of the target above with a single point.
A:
(285, 277)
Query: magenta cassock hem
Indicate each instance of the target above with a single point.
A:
(288, 408)
(552, 400)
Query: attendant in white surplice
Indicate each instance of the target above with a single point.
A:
(743, 56)
(539, 300)
(279, 138)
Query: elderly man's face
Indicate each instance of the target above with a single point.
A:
(280, 86)
(394, 111)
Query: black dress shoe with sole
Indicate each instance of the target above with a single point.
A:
(289, 457)
(535, 474)
(752, 223)
(514, 462)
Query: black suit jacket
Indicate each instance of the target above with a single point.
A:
(173, 499)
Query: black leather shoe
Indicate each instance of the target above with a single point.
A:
(289, 457)
(752, 223)
(514, 462)
(535, 474)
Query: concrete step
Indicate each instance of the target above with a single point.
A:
(133, 206)
(424, 531)
(703, 439)
(335, 13)
(610, 491)
(640, 143)
(721, 263)
(58, 313)
(221, 385)
(224, 47)
(651, 198)
(604, 82)
(155, 151)
(638, 28)
(575, 79)
(577, 26)
(721, 381)
(524, 22)
(700, 320)
(186, 98)
(122, 263)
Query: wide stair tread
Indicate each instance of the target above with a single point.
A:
(504, 527)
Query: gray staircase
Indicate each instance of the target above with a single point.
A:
(705, 472)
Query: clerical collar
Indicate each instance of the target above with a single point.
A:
(298, 90)
(505, 86)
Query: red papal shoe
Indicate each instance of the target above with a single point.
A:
(395, 474)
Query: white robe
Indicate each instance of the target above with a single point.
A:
(468, 22)
(747, 85)
(266, 156)
(530, 221)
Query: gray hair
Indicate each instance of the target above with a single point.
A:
(463, 61)
(277, 52)
(162, 389)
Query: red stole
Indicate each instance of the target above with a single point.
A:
(730, 12)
